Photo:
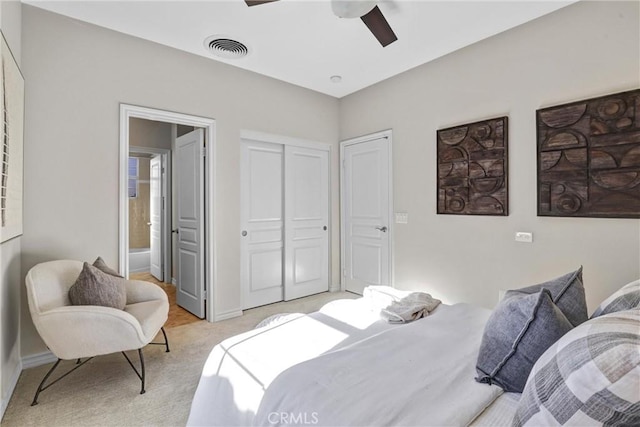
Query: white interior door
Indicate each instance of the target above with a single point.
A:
(189, 162)
(366, 210)
(306, 222)
(261, 216)
(155, 216)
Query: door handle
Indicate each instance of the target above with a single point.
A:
(244, 233)
(176, 231)
(324, 228)
(149, 224)
(383, 229)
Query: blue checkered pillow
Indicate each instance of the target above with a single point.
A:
(591, 376)
(625, 298)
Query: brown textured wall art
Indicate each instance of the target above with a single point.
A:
(589, 158)
(472, 168)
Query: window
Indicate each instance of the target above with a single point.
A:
(133, 177)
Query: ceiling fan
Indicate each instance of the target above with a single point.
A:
(367, 10)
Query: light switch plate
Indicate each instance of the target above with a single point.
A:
(402, 218)
(524, 237)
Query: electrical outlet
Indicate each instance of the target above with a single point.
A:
(524, 237)
(402, 218)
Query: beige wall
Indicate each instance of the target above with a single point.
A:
(149, 133)
(139, 231)
(77, 75)
(11, 283)
(585, 50)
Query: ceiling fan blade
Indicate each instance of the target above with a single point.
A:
(257, 2)
(379, 26)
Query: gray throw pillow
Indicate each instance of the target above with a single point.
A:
(93, 287)
(625, 298)
(102, 266)
(567, 292)
(590, 377)
(519, 330)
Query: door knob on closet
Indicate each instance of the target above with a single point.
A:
(244, 233)
(324, 228)
(383, 229)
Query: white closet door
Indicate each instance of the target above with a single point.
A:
(306, 222)
(262, 221)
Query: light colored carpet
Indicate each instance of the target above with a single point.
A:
(105, 391)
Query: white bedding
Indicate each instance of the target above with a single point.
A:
(500, 413)
(239, 369)
(419, 374)
(343, 366)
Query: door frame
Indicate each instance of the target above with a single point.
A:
(388, 134)
(165, 155)
(296, 142)
(128, 111)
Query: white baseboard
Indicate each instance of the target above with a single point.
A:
(38, 359)
(230, 314)
(13, 382)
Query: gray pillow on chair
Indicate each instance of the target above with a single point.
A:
(567, 292)
(93, 287)
(519, 330)
(102, 266)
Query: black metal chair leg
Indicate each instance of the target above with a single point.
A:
(141, 373)
(46, 377)
(142, 390)
(166, 340)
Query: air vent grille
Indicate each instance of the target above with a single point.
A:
(225, 47)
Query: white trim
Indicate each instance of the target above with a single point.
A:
(38, 359)
(365, 138)
(13, 382)
(229, 314)
(284, 140)
(129, 111)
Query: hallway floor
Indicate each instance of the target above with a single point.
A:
(177, 315)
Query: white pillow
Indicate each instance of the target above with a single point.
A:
(590, 376)
(625, 298)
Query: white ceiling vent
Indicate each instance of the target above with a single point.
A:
(226, 47)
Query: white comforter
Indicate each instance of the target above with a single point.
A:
(342, 366)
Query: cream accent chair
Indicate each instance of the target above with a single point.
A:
(76, 332)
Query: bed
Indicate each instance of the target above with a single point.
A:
(344, 366)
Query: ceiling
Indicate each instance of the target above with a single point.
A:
(301, 42)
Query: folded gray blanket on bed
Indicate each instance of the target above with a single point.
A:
(398, 306)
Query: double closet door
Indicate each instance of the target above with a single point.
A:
(285, 222)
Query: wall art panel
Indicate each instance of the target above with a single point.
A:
(12, 109)
(589, 157)
(472, 168)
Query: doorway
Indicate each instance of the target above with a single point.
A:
(165, 213)
(149, 193)
(366, 209)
